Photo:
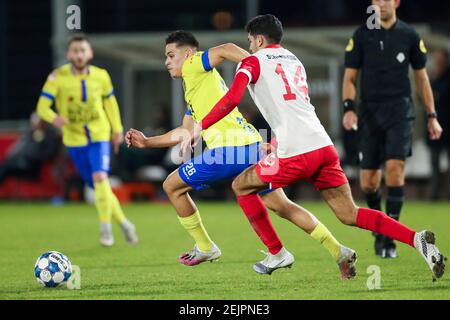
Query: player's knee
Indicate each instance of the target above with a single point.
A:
(168, 186)
(395, 174)
(369, 185)
(99, 176)
(236, 185)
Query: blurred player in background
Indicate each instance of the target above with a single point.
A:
(227, 141)
(386, 121)
(87, 112)
(277, 83)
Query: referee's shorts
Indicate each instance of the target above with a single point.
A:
(386, 132)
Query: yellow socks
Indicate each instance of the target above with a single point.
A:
(193, 224)
(117, 211)
(103, 200)
(324, 236)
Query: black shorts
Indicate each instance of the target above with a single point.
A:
(386, 132)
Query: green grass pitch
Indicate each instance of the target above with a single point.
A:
(150, 270)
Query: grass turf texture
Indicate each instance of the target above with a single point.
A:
(150, 270)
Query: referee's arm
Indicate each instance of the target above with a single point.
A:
(350, 119)
(424, 89)
(353, 63)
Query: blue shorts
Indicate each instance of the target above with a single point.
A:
(218, 165)
(92, 158)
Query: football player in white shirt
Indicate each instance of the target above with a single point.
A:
(277, 83)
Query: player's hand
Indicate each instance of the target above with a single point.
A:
(434, 128)
(59, 122)
(135, 138)
(117, 140)
(350, 121)
(191, 141)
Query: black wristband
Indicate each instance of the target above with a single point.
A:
(432, 115)
(349, 105)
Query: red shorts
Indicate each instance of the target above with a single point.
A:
(321, 167)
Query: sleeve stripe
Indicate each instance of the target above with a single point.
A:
(109, 94)
(205, 61)
(188, 112)
(83, 91)
(245, 71)
(48, 95)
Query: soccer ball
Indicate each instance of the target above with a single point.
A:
(52, 269)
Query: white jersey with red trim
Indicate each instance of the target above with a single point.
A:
(280, 91)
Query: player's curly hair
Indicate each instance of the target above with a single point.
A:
(267, 25)
(182, 38)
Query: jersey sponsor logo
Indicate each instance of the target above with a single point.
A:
(422, 47)
(401, 57)
(82, 114)
(245, 125)
(281, 56)
(350, 45)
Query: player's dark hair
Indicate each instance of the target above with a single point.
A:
(267, 25)
(182, 38)
(78, 37)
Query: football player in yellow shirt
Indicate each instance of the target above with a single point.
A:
(233, 146)
(87, 112)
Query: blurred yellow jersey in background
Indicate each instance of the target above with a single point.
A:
(203, 88)
(86, 101)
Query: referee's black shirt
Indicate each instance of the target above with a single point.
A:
(384, 56)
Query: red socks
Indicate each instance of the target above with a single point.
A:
(256, 213)
(379, 222)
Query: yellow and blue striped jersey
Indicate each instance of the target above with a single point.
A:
(87, 101)
(203, 88)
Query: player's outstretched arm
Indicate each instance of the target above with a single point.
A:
(137, 139)
(227, 51)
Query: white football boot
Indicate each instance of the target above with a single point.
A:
(129, 231)
(106, 236)
(424, 242)
(197, 256)
(272, 262)
(347, 263)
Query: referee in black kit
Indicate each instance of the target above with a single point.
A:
(386, 116)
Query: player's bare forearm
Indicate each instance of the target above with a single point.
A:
(349, 84)
(424, 89)
(167, 140)
(227, 51)
(350, 119)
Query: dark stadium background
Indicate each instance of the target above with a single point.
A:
(25, 30)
